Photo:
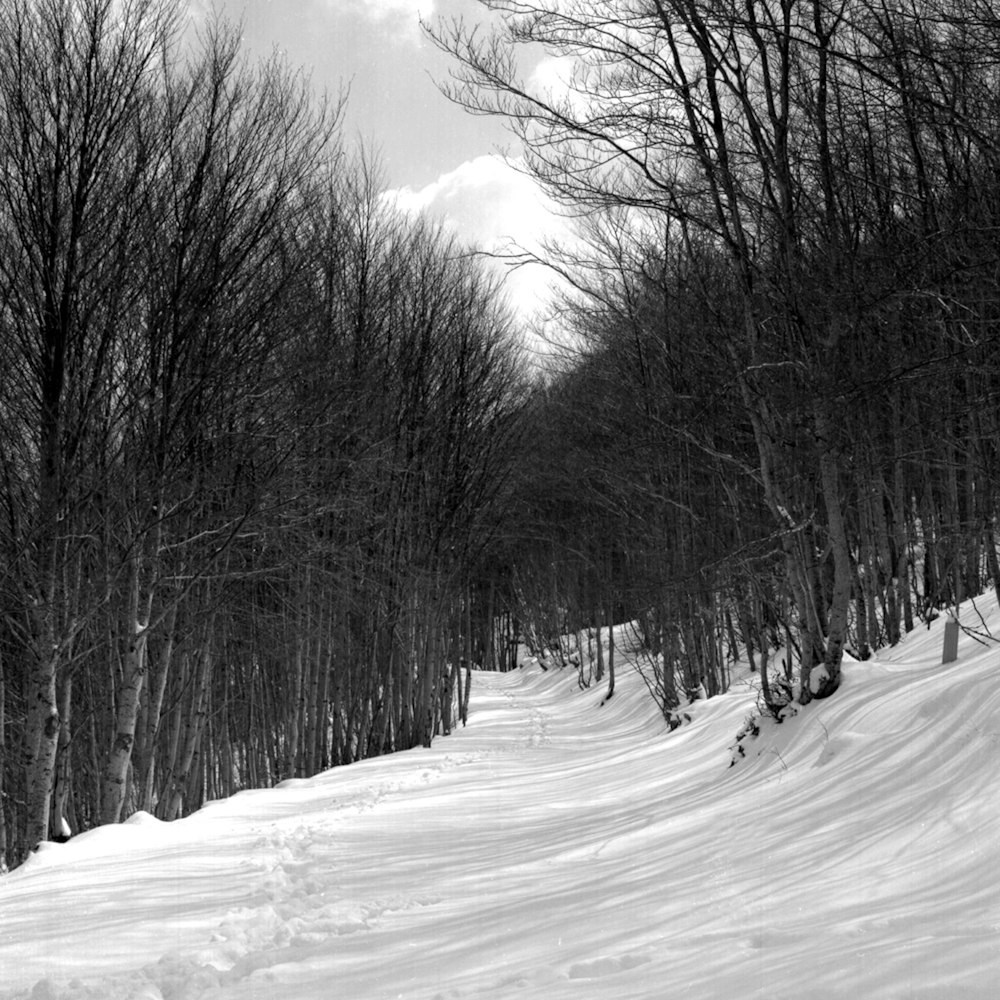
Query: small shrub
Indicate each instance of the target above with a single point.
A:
(749, 730)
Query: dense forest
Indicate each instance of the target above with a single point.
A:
(255, 430)
(275, 474)
(775, 426)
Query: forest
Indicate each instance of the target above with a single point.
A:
(276, 472)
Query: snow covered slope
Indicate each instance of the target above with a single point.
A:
(557, 848)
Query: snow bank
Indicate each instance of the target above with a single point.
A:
(560, 848)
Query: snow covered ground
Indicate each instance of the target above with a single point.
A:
(556, 848)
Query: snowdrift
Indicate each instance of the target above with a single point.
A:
(557, 848)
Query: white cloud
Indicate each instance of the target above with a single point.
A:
(553, 77)
(399, 17)
(393, 8)
(487, 201)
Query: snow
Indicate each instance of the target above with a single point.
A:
(559, 848)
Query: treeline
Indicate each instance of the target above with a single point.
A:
(271, 477)
(778, 416)
(255, 429)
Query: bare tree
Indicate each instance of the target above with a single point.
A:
(801, 145)
(73, 87)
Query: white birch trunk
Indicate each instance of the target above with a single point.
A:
(113, 785)
(42, 739)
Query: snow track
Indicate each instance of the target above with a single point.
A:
(558, 848)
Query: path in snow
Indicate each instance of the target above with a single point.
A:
(556, 848)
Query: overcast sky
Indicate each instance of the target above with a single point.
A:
(435, 156)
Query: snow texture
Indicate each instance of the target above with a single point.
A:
(561, 849)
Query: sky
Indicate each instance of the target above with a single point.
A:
(435, 157)
(563, 846)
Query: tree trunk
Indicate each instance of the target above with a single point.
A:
(823, 682)
(861, 603)
(599, 672)
(59, 825)
(611, 657)
(583, 678)
(180, 779)
(127, 714)
(42, 740)
(4, 840)
(154, 708)
(466, 693)
(295, 712)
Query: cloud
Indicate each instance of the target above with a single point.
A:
(488, 202)
(393, 8)
(557, 78)
(399, 17)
